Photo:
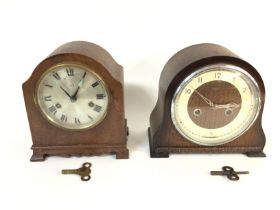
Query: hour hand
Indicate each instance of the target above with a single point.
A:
(79, 85)
(227, 106)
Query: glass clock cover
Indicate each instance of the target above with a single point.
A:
(215, 104)
(72, 97)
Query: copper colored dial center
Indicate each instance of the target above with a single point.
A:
(220, 93)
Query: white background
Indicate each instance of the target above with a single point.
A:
(141, 36)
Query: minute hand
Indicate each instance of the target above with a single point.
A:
(65, 92)
(207, 100)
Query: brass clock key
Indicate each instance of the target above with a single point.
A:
(229, 172)
(84, 171)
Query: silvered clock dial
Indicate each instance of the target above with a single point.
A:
(72, 97)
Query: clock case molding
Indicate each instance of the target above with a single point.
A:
(109, 136)
(163, 136)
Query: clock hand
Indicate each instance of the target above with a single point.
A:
(207, 100)
(65, 92)
(227, 106)
(74, 97)
(217, 106)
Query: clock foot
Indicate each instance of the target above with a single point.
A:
(154, 154)
(37, 157)
(122, 154)
(159, 155)
(256, 154)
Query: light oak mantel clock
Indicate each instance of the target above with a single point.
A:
(75, 103)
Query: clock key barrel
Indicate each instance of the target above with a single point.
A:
(229, 172)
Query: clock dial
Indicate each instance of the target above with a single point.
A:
(215, 105)
(73, 97)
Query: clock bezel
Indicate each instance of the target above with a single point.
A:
(81, 66)
(207, 68)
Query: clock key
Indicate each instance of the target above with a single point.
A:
(229, 172)
(84, 171)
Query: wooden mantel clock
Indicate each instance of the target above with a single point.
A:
(75, 103)
(210, 101)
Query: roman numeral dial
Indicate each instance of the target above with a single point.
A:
(72, 97)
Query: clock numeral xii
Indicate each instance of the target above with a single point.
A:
(70, 72)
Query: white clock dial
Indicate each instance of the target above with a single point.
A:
(215, 105)
(72, 96)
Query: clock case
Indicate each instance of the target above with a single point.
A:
(163, 136)
(109, 136)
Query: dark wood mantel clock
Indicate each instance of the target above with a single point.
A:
(210, 101)
(75, 103)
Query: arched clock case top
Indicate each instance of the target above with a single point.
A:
(89, 65)
(165, 137)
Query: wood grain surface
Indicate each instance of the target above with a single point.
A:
(219, 92)
(108, 137)
(163, 136)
